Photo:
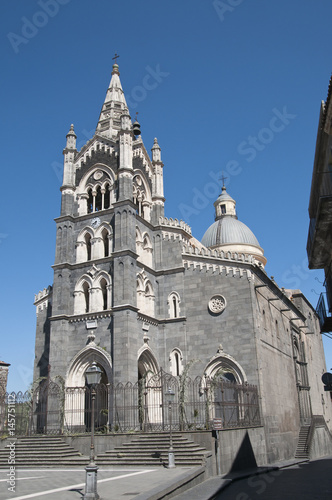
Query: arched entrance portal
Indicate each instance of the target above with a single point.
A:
(150, 397)
(78, 395)
(225, 375)
(101, 406)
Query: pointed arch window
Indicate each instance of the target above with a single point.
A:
(103, 286)
(88, 246)
(90, 201)
(145, 295)
(86, 291)
(98, 200)
(107, 198)
(176, 358)
(144, 248)
(174, 305)
(105, 236)
(177, 363)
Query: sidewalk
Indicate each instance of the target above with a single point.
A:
(211, 487)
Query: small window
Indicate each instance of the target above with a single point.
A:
(107, 197)
(98, 201)
(88, 246)
(173, 305)
(90, 201)
(277, 329)
(103, 286)
(222, 209)
(86, 291)
(176, 362)
(105, 237)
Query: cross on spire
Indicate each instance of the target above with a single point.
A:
(223, 178)
(116, 56)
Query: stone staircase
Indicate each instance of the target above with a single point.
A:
(302, 450)
(152, 449)
(42, 451)
(145, 449)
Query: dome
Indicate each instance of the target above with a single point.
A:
(229, 234)
(228, 230)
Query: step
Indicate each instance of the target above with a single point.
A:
(138, 446)
(149, 453)
(147, 449)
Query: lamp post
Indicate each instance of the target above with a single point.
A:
(93, 374)
(170, 398)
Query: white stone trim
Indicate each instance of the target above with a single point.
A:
(81, 361)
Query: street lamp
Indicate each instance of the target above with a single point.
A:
(170, 398)
(92, 374)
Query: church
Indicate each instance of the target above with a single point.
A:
(137, 293)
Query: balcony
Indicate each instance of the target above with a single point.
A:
(325, 320)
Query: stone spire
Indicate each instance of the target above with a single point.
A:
(68, 183)
(157, 183)
(114, 106)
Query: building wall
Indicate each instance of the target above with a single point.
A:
(263, 335)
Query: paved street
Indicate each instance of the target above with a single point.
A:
(308, 481)
(69, 484)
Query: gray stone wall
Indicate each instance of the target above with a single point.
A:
(42, 342)
(321, 445)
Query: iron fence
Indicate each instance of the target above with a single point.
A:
(140, 406)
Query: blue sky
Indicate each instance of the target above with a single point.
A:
(231, 86)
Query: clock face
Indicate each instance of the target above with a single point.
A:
(95, 222)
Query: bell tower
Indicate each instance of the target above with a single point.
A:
(111, 191)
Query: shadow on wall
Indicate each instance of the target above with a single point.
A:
(245, 457)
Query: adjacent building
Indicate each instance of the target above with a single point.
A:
(319, 246)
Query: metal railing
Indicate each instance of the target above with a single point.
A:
(140, 406)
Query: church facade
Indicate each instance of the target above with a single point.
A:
(135, 292)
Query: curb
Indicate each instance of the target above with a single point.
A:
(174, 488)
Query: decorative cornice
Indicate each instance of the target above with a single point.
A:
(231, 271)
(124, 307)
(175, 223)
(218, 254)
(97, 144)
(80, 265)
(139, 151)
(43, 295)
(82, 317)
(147, 319)
(179, 319)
